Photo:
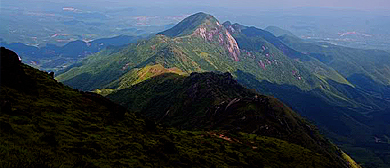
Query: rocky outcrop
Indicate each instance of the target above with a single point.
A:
(12, 73)
(232, 46)
(218, 33)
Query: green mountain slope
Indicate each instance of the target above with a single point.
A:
(257, 40)
(202, 101)
(334, 86)
(46, 124)
(356, 65)
(210, 47)
(258, 59)
(345, 106)
(361, 98)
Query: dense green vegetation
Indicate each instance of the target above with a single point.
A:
(347, 100)
(350, 108)
(101, 69)
(202, 101)
(189, 53)
(372, 64)
(368, 71)
(47, 124)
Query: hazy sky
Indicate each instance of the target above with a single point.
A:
(358, 4)
(354, 4)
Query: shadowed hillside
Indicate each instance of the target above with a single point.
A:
(209, 101)
(46, 124)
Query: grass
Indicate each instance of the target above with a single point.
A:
(51, 125)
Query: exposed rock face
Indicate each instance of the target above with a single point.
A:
(9, 59)
(233, 48)
(12, 73)
(201, 31)
(217, 32)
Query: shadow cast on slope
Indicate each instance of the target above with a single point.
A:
(346, 126)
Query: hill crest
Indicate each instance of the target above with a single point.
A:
(188, 25)
(208, 28)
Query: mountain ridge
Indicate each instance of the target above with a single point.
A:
(202, 101)
(47, 124)
(267, 63)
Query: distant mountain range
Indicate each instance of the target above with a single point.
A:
(344, 91)
(55, 58)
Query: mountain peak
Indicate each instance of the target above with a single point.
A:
(189, 24)
(227, 23)
(208, 28)
(200, 14)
